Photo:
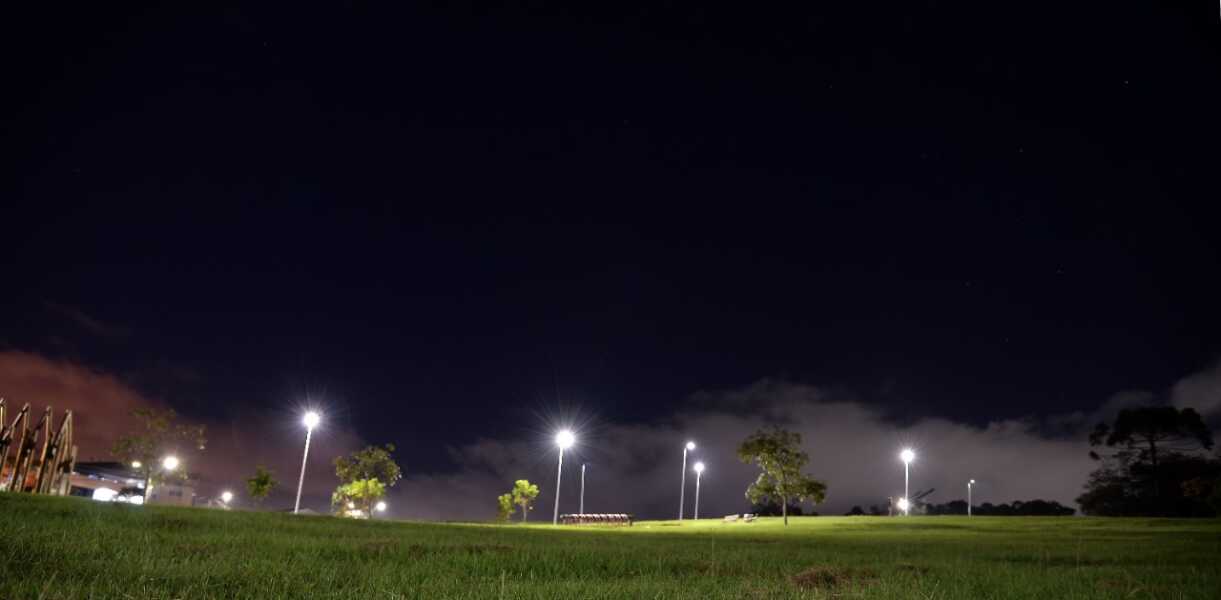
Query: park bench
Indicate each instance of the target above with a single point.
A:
(596, 519)
(745, 518)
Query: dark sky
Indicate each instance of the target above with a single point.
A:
(441, 222)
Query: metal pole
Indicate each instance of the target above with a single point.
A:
(683, 489)
(582, 510)
(697, 495)
(906, 496)
(309, 431)
(555, 518)
(969, 498)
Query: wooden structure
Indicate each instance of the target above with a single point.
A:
(43, 456)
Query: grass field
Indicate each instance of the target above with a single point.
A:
(74, 548)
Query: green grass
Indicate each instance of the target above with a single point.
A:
(74, 548)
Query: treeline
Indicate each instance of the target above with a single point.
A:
(1153, 461)
(1017, 508)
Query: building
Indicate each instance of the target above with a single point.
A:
(115, 481)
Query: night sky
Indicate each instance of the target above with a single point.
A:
(453, 227)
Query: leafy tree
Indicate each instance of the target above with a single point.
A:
(524, 493)
(778, 455)
(359, 494)
(504, 507)
(160, 434)
(855, 512)
(261, 485)
(371, 463)
(1147, 455)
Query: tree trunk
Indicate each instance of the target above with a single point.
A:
(523, 513)
(784, 510)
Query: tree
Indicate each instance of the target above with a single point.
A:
(358, 495)
(856, 511)
(160, 434)
(371, 463)
(504, 507)
(1147, 454)
(524, 493)
(778, 455)
(260, 486)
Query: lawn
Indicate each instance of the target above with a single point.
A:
(75, 548)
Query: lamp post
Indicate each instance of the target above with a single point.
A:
(699, 470)
(379, 507)
(582, 509)
(310, 420)
(226, 496)
(907, 456)
(169, 463)
(683, 490)
(970, 484)
(564, 440)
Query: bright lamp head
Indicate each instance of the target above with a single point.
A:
(226, 497)
(699, 467)
(907, 455)
(170, 463)
(380, 507)
(972, 482)
(564, 439)
(311, 419)
(691, 445)
(904, 504)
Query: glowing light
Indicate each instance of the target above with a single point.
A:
(351, 505)
(381, 507)
(226, 496)
(170, 462)
(564, 439)
(135, 464)
(972, 482)
(907, 455)
(133, 499)
(104, 494)
(904, 504)
(311, 419)
(691, 445)
(699, 467)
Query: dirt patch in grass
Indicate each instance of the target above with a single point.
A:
(833, 579)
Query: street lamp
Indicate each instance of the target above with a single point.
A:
(226, 496)
(970, 484)
(683, 490)
(907, 456)
(170, 462)
(310, 420)
(564, 439)
(582, 509)
(699, 470)
(379, 507)
(135, 464)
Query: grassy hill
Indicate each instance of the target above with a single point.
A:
(74, 548)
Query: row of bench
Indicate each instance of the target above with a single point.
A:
(745, 518)
(597, 519)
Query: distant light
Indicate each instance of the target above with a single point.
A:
(907, 455)
(104, 494)
(564, 439)
(381, 507)
(311, 419)
(351, 505)
(135, 464)
(699, 467)
(972, 482)
(904, 504)
(691, 445)
(170, 462)
(133, 499)
(226, 496)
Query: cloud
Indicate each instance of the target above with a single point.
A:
(1201, 391)
(853, 447)
(92, 325)
(102, 404)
